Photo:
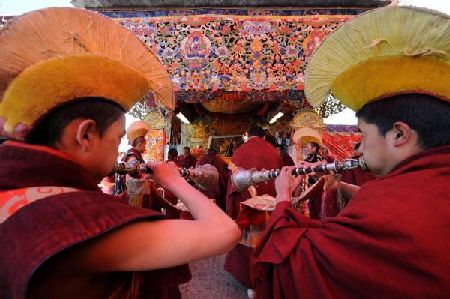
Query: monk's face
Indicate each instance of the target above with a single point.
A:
(310, 149)
(105, 149)
(374, 148)
(141, 146)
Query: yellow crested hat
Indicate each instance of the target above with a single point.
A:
(52, 56)
(305, 135)
(137, 129)
(387, 51)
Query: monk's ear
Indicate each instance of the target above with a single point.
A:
(401, 133)
(86, 131)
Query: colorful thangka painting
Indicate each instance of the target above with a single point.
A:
(234, 50)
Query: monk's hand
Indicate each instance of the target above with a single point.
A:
(332, 182)
(286, 183)
(166, 175)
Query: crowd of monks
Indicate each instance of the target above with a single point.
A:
(260, 151)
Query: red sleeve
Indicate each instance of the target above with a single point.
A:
(283, 231)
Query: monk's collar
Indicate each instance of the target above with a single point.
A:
(39, 148)
(423, 154)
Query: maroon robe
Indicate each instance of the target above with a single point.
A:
(391, 241)
(187, 161)
(357, 176)
(39, 231)
(255, 153)
(218, 192)
(322, 203)
(287, 160)
(133, 152)
(329, 159)
(157, 202)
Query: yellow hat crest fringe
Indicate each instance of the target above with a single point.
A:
(56, 81)
(52, 56)
(387, 51)
(137, 129)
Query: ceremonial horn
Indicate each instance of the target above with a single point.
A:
(204, 176)
(242, 178)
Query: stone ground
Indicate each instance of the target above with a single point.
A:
(210, 281)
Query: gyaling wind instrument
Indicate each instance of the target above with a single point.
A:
(242, 178)
(204, 176)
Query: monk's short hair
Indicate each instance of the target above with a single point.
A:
(173, 152)
(256, 131)
(272, 140)
(427, 115)
(48, 131)
(140, 139)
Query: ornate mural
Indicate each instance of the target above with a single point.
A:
(234, 53)
(209, 51)
(156, 139)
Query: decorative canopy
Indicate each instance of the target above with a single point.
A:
(262, 53)
(211, 47)
(245, 52)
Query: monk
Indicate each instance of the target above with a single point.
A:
(173, 157)
(136, 138)
(61, 237)
(187, 160)
(390, 226)
(312, 152)
(255, 153)
(391, 241)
